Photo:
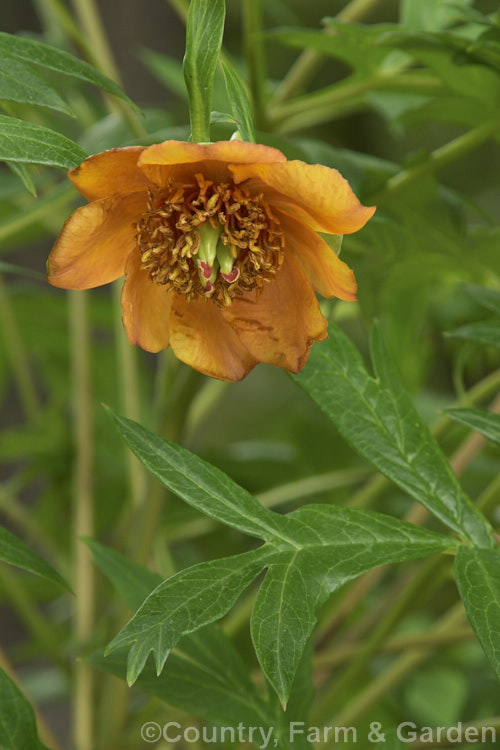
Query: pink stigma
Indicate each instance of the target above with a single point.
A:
(205, 268)
(233, 275)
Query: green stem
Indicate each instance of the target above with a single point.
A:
(342, 686)
(83, 517)
(38, 210)
(442, 156)
(302, 488)
(339, 99)
(489, 499)
(22, 516)
(255, 57)
(18, 357)
(90, 20)
(62, 17)
(395, 673)
(37, 624)
(347, 651)
(478, 393)
(309, 61)
(102, 57)
(129, 395)
(460, 460)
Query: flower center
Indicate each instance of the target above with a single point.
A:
(207, 239)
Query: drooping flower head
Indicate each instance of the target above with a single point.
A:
(220, 247)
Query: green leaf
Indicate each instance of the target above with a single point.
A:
(344, 543)
(484, 332)
(354, 45)
(205, 27)
(132, 581)
(184, 603)
(478, 579)
(24, 174)
(238, 99)
(19, 84)
(376, 416)
(47, 56)
(15, 552)
(485, 422)
(488, 298)
(437, 695)
(27, 143)
(310, 554)
(298, 706)
(18, 730)
(429, 15)
(28, 273)
(167, 70)
(205, 676)
(200, 484)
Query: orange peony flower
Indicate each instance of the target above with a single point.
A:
(219, 246)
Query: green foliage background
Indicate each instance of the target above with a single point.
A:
(404, 99)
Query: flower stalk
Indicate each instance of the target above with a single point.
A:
(83, 517)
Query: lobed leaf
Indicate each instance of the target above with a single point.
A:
(18, 730)
(200, 484)
(25, 142)
(205, 675)
(205, 27)
(182, 604)
(15, 552)
(309, 554)
(46, 56)
(347, 543)
(477, 573)
(376, 416)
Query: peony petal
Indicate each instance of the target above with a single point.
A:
(146, 308)
(183, 160)
(113, 171)
(318, 196)
(279, 325)
(95, 242)
(201, 338)
(329, 275)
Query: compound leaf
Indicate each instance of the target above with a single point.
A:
(376, 416)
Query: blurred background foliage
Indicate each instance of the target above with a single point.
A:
(405, 102)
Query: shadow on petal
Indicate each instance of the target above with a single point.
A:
(146, 308)
(279, 325)
(110, 172)
(201, 338)
(329, 275)
(95, 242)
(316, 195)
